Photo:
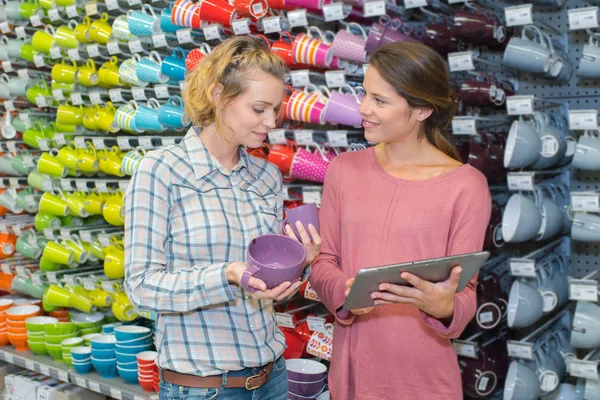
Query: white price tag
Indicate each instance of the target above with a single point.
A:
(333, 12)
(4, 27)
(145, 142)
(374, 8)
(337, 138)
(94, 386)
(24, 116)
(111, 4)
(583, 18)
(304, 137)
(461, 61)
(53, 15)
(30, 365)
(101, 186)
(456, 1)
(55, 53)
(7, 66)
(584, 369)
(116, 96)
(415, 3)
(116, 394)
(135, 46)
(76, 98)
(95, 98)
(123, 185)
(72, 11)
(134, 2)
(212, 32)
(21, 271)
(159, 40)
(316, 324)
(65, 184)
(40, 101)
(20, 32)
(79, 381)
(519, 105)
(9, 106)
(277, 136)
(23, 73)
(58, 94)
(184, 36)
(522, 267)
(465, 348)
(91, 8)
(520, 180)
(138, 93)
(311, 195)
(28, 160)
(74, 54)
(52, 277)
(6, 267)
(88, 284)
(583, 119)
(300, 78)
(161, 91)
(98, 143)
(38, 60)
(297, 18)
(93, 50)
(108, 286)
(81, 185)
(241, 27)
(35, 20)
(583, 289)
(9, 358)
(59, 139)
(284, 320)
(335, 79)
(47, 185)
(113, 47)
(123, 143)
(36, 279)
(63, 376)
(86, 236)
(588, 202)
(519, 15)
(44, 370)
(519, 350)
(80, 142)
(271, 24)
(464, 126)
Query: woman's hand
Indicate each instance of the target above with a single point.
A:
(234, 273)
(358, 311)
(313, 247)
(435, 299)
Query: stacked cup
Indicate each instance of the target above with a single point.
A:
(67, 345)
(17, 330)
(5, 304)
(306, 378)
(36, 333)
(55, 334)
(88, 323)
(81, 357)
(131, 340)
(147, 370)
(103, 355)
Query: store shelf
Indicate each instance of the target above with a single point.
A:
(115, 388)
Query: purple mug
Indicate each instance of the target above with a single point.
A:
(307, 214)
(477, 93)
(439, 37)
(477, 380)
(342, 109)
(274, 259)
(386, 31)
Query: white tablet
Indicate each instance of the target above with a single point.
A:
(433, 270)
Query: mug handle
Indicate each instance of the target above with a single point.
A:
(49, 29)
(148, 9)
(313, 31)
(153, 103)
(357, 26)
(72, 24)
(154, 56)
(264, 39)
(246, 275)
(179, 51)
(176, 101)
(286, 34)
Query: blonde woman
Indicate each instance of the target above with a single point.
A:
(191, 209)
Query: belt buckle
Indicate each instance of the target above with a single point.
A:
(247, 384)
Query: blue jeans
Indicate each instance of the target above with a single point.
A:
(275, 389)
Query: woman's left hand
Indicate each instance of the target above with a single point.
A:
(435, 299)
(313, 247)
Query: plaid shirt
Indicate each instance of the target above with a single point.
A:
(186, 218)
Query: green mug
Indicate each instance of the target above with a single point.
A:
(58, 253)
(46, 221)
(27, 246)
(28, 200)
(49, 164)
(39, 181)
(52, 204)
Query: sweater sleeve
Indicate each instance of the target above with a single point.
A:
(467, 234)
(327, 277)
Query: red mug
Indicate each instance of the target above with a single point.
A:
(251, 8)
(217, 11)
(282, 156)
(283, 49)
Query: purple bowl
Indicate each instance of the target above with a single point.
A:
(307, 388)
(294, 396)
(274, 259)
(303, 370)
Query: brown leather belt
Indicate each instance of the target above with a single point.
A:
(214, 382)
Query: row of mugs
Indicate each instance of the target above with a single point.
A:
(484, 90)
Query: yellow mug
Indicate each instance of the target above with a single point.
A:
(64, 73)
(109, 73)
(88, 159)
(100, 30)
(90, 117)
(113, 211)
(114, 261)
(68, 155)
(65, 36)
(122, 308)
(106, 118)
(87, 74)
(82, 31)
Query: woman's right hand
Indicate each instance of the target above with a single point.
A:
(358, 311)
(234, 273)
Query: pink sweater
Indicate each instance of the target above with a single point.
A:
(370, 218)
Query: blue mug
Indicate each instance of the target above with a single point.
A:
(172, 114)
(146, 117)
(143, 23)
(148, 69)
(173, 66)
(166, 22)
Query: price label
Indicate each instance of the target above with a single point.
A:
(415, 3)
(79, 381)
(241, 27)
(465, 349)
(519, 15)
(271, 24)
(335, 79)
(59, 139)
(23, 73)
(47, 185)
(81, 185)
(30, 365)
(520, 180)
(374, 8)
(333, 12)
(212, 32)
(63, 376)
(123, 185)
(28, 161)
(94, 386)
(108, 286)
(95, 98)
(584, 369)
(116, 95)
(587, 202)
(519, 105)
(168, 141)
(111, 4)
(297, 18)
(58, 94)
(21, 271)
(91, 8)
(40, 101)
(55, 53)
(4, 27)
(583, 289)
(311, 195)
(583, 119)
(464, 126)
(35, 20)
(184, 36)
(522, 267)
(116, 394)
(337, 138)
(72, 11)
(161, 91)
(37, 280)
(76, 98)
(123, 143)
(20, 32)
(284, 320)
(86, 236)
(9, 358)
(74, 54)
(101, 186)
(80, 142)
(52, 277)
(6, 267)
(44, 370)
(145, 143)
(277, 136)
(53, 15)
(113, 47)
(304, 137)
(159, 40)
(93, 50)
(9, 106)
(300, 78)
(134, 2)
(316, 324)
(583, 18)
(461, 61)
(65, 184)
(7, 66)
(456, 1)
(138, 93)
(135, 46)
(88, 284)
(38, 60)
(24, 116)
(98, 143)
(519, 350)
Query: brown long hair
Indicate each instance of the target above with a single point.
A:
(421, 77)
